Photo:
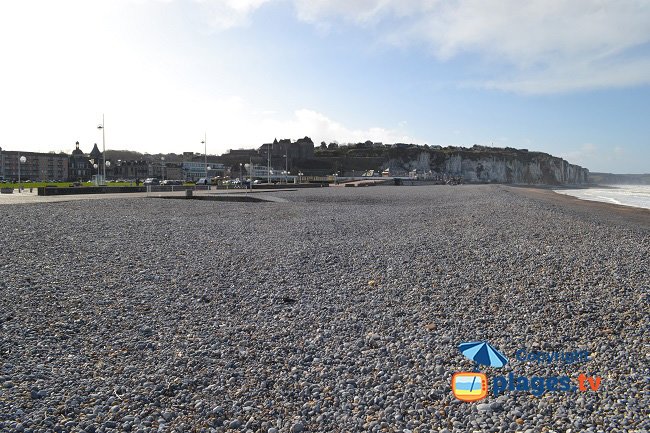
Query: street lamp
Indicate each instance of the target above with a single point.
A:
(300, 174)
(21, 160)
(286, 160)
(107, 164)
(268, 163)
(103, 146)
(205, 154)
(162, 167)
(250, 172)
(286, 164)
(96, 167)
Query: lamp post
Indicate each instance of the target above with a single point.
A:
(286, 164)
(21, 161)
(250, 172)
(103, 147)
(107, 164)
(96, 167)
(162, 167)
(205, 154)
(300, 174)
(240, 178)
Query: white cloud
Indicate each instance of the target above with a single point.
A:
(530, 47)
(228, 123)
(576, 76)
(547, 46)
(361, 11)
(224, 14)
(232, 123)
(321, 128)
(535, 46)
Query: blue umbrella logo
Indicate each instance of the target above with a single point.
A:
(483, 353)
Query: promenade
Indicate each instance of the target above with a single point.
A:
(26, 196)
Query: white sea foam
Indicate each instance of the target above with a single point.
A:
(628, 195)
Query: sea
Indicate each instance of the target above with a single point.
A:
(627, 195)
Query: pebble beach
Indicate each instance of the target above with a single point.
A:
(325, 310)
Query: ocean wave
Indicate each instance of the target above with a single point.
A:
(626, 195)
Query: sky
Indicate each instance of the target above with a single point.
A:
(570, 78)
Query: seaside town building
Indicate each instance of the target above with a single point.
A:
(128, 170)
(284, 153)
(194, 168)
(37, 166)
(80, 167)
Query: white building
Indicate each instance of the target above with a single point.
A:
(262, 172)
(193, 170)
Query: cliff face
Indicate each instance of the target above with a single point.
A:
(492, 165)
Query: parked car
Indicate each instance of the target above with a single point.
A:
(172, 182)
(152, 181)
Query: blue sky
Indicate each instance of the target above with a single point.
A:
(564, 77)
